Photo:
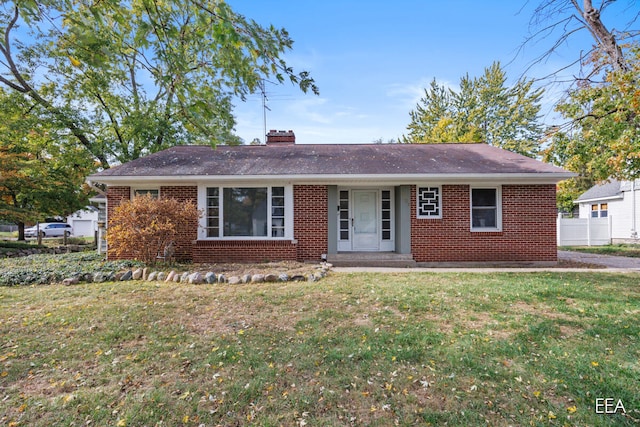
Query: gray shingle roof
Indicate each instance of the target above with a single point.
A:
(602, 191)
(345, 159)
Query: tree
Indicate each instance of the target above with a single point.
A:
(484, 109)
(564, 18)
(41, 169)
(144, 227)
(599, 140)
(129, 78)
(602, 138)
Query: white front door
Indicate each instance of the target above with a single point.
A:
(365, 220)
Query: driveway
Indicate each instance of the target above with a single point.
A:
(608, 261)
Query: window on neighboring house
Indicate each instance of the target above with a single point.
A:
(428, 202)
(485, 209)
(154, 193)
(245, 212)
(600, 211)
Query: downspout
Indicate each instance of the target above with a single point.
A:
(589, 229)
(634, 233)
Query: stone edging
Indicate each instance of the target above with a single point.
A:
(16, 253)
(151, 275)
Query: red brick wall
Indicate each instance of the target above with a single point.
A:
(310, 221)
(115, 196)
(310, 230)
(244, 251)
(528, 228)
(187, 232)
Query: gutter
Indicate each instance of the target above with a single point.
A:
(599, 199)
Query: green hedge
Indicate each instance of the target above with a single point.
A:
(19, 245)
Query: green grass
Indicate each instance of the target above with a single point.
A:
(617, 250)
(366, 349)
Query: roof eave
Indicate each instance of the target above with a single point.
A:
(460, 178)
(599, 199)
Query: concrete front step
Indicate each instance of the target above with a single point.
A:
(371, 259)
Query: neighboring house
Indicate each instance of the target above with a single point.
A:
(431, 204)
(617, 200)
(85, 221)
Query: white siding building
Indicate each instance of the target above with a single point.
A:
(620, 202)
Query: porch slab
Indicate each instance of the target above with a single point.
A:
(371, 259)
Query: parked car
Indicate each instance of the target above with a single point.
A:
(50, 229)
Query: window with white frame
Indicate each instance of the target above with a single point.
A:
(600, 211)
(245, 212)
(386, 214)
(428, 202)
(152, 192)
(485, 209)
(212, 212)
(277, 212)
(343, 212)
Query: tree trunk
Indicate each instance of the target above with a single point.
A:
(604, 38)
(21, 231)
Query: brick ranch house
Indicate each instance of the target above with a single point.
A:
(414, 204)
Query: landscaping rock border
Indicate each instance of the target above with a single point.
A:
(196, 277)
(15, 253)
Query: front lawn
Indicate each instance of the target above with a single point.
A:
(617, 250)
(353, 349)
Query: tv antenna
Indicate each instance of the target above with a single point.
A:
(265, 107)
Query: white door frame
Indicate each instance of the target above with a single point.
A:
(365, 223)
(381, 244)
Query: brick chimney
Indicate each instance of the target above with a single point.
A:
(281, 137)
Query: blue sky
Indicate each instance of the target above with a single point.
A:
(372, 60)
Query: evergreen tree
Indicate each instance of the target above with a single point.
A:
(484, 109)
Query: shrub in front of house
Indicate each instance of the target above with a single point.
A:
(145, 228)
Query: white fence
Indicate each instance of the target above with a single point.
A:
(583, 231)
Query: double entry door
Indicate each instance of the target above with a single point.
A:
(365, 220)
